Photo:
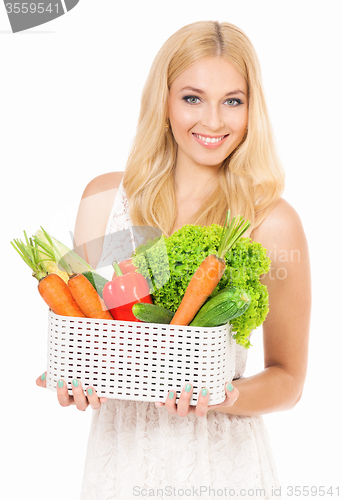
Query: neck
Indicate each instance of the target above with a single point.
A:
(195, 182)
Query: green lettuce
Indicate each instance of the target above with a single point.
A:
(168, 263)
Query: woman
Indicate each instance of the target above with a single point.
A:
(203, 145)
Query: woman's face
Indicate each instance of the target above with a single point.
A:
(208, 112)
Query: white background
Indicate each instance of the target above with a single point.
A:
(69, 102)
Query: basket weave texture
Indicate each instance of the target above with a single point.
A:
(139, 361)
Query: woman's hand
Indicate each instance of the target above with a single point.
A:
(78, 398)
(183, 408)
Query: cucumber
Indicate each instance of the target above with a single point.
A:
(96, 280)
(228, 304)
(151, 313)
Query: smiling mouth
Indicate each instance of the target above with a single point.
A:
(210, 140)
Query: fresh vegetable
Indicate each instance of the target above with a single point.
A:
(152, 313)
(96, 280)
(83, 291)
(51, 251)
(48, 258)
(209, 273)
(173, 260)
(123, 292)
(57, 295)
(241, 296)
(51, 287)
(223, 307)
(126, 267)
(87, 298)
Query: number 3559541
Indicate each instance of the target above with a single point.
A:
(30, 8)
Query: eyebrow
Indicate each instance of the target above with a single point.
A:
(199, 91)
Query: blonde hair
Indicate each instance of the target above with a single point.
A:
(250, 180)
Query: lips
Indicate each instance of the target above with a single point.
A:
(210, 142)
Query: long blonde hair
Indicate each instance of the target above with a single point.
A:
(250, 180)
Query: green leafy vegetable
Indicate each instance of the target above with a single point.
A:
(169, 263)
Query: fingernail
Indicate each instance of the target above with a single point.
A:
(60, 384)
(204, 392)
(229, 387)
(75, 382)
(188, 387)
(42, 376)
(90, 391)
(171, 394)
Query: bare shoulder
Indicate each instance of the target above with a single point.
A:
(102, 183)
(282, 226)
(283, 235)
(93, 214)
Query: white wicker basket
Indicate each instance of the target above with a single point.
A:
(139, 361)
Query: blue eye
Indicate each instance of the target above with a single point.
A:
(192, 99)
(236, 102)
(188, 98)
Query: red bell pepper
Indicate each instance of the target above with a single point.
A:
(126, 266)
(123, 292)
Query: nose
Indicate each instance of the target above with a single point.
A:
(212, 118)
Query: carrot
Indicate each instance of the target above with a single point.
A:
(203, 282)
(87, 298)
(57, 295)
(51, 287)
(208, 274)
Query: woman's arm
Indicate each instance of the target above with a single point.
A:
(286, 329)
(92, 217)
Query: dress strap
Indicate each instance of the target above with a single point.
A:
(118, 240)
(119, 217)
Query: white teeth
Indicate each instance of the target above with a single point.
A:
(208, 139)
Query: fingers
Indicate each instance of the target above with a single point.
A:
(170, 403)
(183, 408)
(184, 399)
(62, 394)
(183, 404)
(41, 380)
(231, 394)
(93, 399)
(80, 399)
(202, 405)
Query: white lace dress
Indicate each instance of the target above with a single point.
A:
(136, 449)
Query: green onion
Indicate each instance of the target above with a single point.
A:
(232, 231)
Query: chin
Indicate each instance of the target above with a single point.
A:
(212, 162)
